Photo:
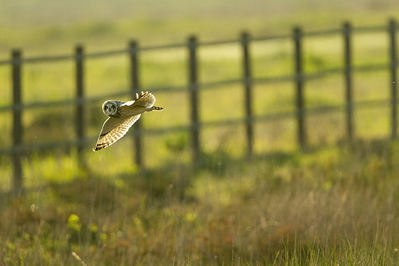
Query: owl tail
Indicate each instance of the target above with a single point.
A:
(156, 108)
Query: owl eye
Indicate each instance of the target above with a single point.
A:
(105, 107)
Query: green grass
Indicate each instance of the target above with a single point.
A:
(333, 204)
(38, 26)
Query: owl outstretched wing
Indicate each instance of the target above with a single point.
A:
(113, 129)
(143, 101)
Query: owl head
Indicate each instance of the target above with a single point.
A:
(110, 108)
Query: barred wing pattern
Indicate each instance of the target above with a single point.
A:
(113, 129)
(146, 99)
(141, 104)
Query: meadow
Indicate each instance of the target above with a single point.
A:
(335, 203)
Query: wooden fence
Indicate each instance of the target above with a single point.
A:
(17, 61)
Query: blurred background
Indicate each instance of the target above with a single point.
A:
(329, 197)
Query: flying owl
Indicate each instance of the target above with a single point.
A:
(122, 115)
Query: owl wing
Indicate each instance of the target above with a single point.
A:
(143, 101)
(146, 99)
(113, 129)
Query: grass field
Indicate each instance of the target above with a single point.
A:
(334, 204)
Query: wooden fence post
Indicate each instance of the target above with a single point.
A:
(300, 104)
(393, 67)
(79, 112)
(17, 132)
(134, 88)
(247, 78)
(193, 90)
(347, 34)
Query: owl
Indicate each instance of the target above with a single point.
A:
(122, 115)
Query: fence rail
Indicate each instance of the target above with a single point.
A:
(133, 50)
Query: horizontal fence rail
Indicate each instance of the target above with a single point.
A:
(111, 53)
(28, 148)
(194, 85)
(123, 92)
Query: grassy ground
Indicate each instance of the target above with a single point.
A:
(334, 204)
(42, 25)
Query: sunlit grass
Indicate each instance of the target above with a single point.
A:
(330, 205)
